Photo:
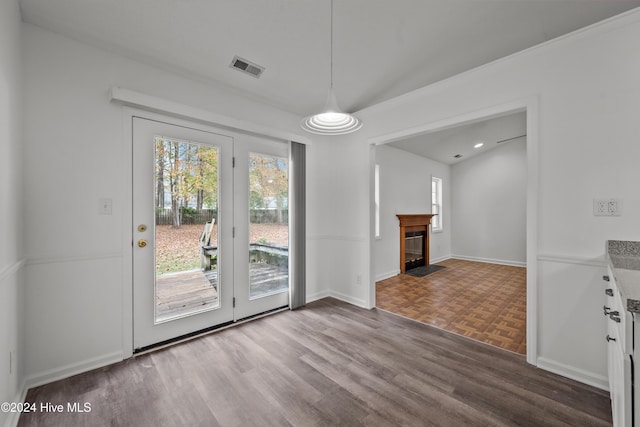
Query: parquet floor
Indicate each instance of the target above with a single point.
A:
(486, 302)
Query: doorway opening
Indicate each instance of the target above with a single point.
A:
(483, 294)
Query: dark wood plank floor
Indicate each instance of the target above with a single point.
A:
(327, 364)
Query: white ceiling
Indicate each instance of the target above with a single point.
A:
(443, 145)
(382, 48)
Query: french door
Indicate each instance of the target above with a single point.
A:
(210, 229)
(262, 231)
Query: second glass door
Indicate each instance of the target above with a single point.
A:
(261, 254)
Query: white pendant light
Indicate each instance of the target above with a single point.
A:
(332, 121)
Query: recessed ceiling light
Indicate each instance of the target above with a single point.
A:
(478, 145)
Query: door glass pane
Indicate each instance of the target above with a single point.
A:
(186, 238)
(268, 225)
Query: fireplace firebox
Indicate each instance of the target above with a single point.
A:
(414, 240)
(414, 249)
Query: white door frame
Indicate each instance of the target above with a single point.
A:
(530, 105)
(178, 114)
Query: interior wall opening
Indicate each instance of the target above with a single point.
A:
(477, 283)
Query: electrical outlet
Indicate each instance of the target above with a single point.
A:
(600, 207)
(614, 207)
(607, 207)
(359, 279)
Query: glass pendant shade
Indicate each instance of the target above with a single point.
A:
(332, 121)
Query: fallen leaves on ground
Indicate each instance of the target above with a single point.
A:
(178, 249)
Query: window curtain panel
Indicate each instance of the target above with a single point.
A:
(298, 214)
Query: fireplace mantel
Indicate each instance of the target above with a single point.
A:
(408, 220)
(412, 223)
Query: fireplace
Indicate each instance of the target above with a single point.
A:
(414, 249)
(414, 240)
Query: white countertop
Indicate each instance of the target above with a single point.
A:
(624, 260)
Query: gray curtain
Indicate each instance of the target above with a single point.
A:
(297, 218)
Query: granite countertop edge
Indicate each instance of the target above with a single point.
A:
(624, 260)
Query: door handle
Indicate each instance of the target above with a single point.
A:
(610, 339)
(142, 243)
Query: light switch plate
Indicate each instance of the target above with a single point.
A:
(105, 206)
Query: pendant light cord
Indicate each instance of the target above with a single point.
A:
(331, 121)
(331, 72)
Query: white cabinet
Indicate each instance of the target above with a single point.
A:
(620, 342)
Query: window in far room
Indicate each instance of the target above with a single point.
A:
(436, 203)
(376, 198)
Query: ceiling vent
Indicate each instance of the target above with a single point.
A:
(248, 67)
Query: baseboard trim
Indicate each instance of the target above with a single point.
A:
(317, 296)
(349, 299)
(576, 374)
(387, 275)
(337, 295)
(14, 417)
(72, 369)
(440, 259)
(490, 261)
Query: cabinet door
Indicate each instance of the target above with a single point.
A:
(623, 322)
(620, 383)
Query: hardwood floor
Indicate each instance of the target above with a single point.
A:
(329, 363)
(189, 292)
(486, 302)
(184, 293)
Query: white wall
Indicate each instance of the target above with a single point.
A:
(11, 210)
(337, 240)
(489, 205)
(76, 154)
(588, 101)
(405, 188)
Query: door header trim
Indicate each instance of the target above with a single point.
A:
(136, 99)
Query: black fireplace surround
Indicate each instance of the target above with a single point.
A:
(414, 249)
